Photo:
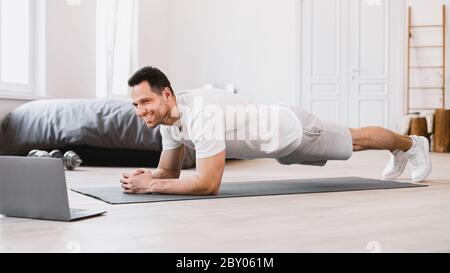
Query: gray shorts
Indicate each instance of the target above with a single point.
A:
(322, 141)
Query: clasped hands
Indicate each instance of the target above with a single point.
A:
(141, 181)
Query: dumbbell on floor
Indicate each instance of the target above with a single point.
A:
(70, 159)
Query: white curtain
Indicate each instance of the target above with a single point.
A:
(116, 46)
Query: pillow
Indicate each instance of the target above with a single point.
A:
(52, 124)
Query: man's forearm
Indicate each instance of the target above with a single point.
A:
(164, 174)
(186, 185)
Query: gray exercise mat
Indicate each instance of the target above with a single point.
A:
(114, 195)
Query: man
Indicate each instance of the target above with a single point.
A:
(208, 121)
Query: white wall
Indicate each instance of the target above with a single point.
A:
(71, 48)
(7, 105)
(154, 33)
(70, 51)
(253, 44)
(69, 54)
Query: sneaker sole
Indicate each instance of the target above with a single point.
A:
(428, 170)
(397, 174)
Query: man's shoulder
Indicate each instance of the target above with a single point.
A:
(210, 96)
(203, 92)
(167, 129)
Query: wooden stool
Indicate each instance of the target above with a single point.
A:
(442, 131)
(419, 127)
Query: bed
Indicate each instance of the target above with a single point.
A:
(102, 132)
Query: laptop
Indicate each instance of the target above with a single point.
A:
(35, 188)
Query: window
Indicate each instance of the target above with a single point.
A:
(17, 47)
(116, 46)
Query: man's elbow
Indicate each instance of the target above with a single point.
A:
(213, 190)
(176, 174)
(210, 188)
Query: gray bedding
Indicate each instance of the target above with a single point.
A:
(51, 124)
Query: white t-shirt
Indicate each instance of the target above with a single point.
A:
(214, 120)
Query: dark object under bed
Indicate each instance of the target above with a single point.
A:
(104, 157)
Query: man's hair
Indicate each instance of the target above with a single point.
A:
(155, 78)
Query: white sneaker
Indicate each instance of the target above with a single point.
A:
(419, 158)
(396, 166)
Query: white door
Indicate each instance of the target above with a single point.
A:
(352, 61)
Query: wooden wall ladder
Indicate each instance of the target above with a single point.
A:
(441, 126)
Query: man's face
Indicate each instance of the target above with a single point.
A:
(151, 107)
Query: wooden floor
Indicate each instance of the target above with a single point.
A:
(398, 220)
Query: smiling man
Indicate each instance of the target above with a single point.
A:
(220, 125)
